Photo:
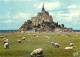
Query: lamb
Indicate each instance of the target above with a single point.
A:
(36, 52)
(23, 38)
(19, 41)
(6, 45)
(55, 45)
(69, 48)
(71, 44)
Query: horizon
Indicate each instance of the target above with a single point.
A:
(13, 13)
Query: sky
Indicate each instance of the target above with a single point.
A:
(13, 13)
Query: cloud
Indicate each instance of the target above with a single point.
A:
(8, 21)
(72, 6)
(50, 6)
(21, 16)
(71, 16)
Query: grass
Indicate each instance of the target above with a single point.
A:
(27, 46)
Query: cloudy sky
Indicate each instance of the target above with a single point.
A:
(13, 13)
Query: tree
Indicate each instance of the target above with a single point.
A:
(38, 26)
(52, 25)
(62, 25)
(29, 21)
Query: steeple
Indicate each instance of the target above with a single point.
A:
(43, 7)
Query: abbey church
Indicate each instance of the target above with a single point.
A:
(43, 22)
(42, 16)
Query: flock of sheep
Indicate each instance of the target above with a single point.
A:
(38, 51)
(57, 46)
(5, 41)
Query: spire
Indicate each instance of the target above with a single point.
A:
(43, 4)
(43, 7)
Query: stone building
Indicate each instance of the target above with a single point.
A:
(42, 16)
(63, 30)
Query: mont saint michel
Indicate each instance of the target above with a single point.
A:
(43, 22)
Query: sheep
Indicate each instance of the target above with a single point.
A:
(6, 45)
(2, 37)
(69, 48)
(19, 41)
(34, 34)
(28, 34)
(71, 44)
(76, 35)
(6, 35)
(6, 41)
(36, 52)
(55, 45)
(23, 38)
(20, 35)
(37, 36)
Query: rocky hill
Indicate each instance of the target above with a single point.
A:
(44, 26)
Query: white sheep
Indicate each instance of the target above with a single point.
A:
(23, 38)
(1, 36)
(34, 34)
(69, 48)
(19, 41)
(36, 52)
(19, 35)
(71, 44)
(55, 44)
(5, 41)
(76, 35)
(6, 45)
(28, 34)
(37, 36)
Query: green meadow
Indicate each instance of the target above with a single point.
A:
(43, 41)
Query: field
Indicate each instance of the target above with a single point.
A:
(42, 41)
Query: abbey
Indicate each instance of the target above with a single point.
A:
(43, 22)
(42, 16)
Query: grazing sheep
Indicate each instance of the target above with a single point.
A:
(28, 34)
(37, 36)
(1, 36)
(6, 35)
(19, 41)
(19, 35)
(69, 48)
(34, 34)
(5, 41)
(71, 44)
(36, 52)
(76, 35)
(23, 38)
(55, 44)
(6, 45)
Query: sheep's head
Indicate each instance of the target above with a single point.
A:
(72, 47)
(52, 43)
(31, 54)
